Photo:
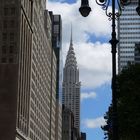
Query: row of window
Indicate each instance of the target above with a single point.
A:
(126, 46)
(22, 124)
(134, 28)
(5, 50)
(130, 8)
(8, 24)
(129, 23)
(130, 33)
(130, 14)
(39, 122)
(124, 63)
(6, 36)
(128, 42)
(136, 37)
(41, 104)
(9, 11)
(7, 60)
(128, 19)
(34, 135)
(126, 56)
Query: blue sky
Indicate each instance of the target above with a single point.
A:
(93, 109)
(93, 53)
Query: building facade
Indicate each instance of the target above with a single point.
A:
(128, 34)
(57, 47)
(28, 70)
(67, 123)
(71, 85)
(83, 136)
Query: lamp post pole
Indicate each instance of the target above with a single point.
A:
(113, 43)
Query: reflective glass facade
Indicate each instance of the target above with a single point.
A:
(128, 34)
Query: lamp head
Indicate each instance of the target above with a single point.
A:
(84, 9)
(102, 1)
(138, 10)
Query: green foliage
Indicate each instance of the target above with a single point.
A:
(108, 127)
(128, 104)
(128, 84)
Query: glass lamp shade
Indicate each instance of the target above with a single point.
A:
(85, 10)
(138, 10)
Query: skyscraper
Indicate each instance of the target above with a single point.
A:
(128, 34)
(71, 85)
(57, 47)
(27, 71)
(83, 136)
(67, 123)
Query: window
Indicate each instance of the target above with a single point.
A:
(3, 60)
(11, 60)
(4, 49)
(11, 49)
(5, 24)
(6, 11)
(56, 28)
(56, 18)
(4, 36)
(11, 36)
(12, 24)
(13, 11)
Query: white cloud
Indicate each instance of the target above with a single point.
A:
(96, 23)
(93, 123)
(90, 95)
(94, 58)
(94, 62)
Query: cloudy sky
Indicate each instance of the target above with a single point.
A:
(93, 53)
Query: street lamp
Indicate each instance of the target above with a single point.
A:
(138, 8)
(85, 10)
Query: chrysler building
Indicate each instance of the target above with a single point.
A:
(71, 85)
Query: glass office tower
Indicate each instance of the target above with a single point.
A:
(128, 35)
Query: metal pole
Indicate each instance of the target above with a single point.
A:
(113, 43)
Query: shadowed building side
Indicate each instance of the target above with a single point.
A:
(15, 65)
(27, 72)
(57, 47)
(8, 97)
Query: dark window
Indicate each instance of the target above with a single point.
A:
(4, 49)
(11, 36)
(13, 11)
(4, 36)
(5, 24)
(6, 11)
(11, 49)
(3, 60)
(12, 24)
(11, 60)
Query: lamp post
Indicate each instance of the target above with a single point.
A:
(113, 15)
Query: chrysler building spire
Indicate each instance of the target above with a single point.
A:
(71, 41)
(71, 84)
(71, 59)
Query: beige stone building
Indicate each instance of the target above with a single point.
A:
(27, 72)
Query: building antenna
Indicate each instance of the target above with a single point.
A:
(71, 41)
